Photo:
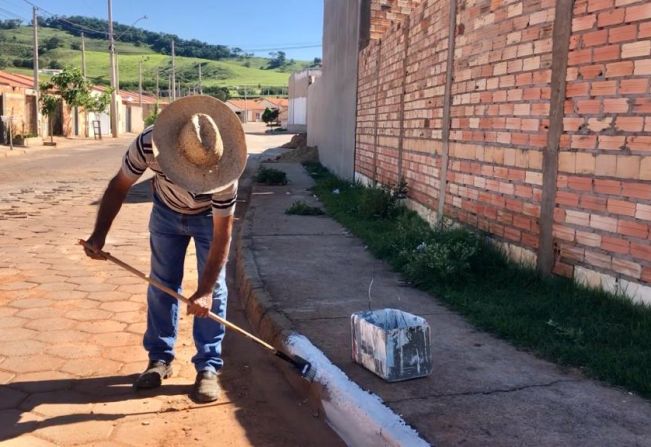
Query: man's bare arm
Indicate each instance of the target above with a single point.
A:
(110, 205)
(217, 257)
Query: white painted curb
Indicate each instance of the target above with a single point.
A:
(360, 418)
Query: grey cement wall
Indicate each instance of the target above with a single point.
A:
(332, 98)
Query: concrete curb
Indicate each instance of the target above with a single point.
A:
(359, 417)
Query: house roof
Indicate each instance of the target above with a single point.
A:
(241, 104)
(279, 102)
(130, 97)
(16, 80)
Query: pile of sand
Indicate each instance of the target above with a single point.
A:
(298, 141)
(300, 155)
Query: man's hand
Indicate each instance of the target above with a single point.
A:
(201, 304)
(95, 243)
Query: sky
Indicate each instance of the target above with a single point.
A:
(256, 26)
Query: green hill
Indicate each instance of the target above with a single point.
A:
(64, 50)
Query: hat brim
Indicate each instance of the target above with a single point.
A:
(177, 168)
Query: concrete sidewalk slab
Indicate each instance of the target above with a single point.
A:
(308, 274)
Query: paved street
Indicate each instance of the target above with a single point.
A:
(72, 327)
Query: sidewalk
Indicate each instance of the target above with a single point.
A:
(61, 143)
(308, 274)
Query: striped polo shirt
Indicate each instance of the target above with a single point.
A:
(140, 156)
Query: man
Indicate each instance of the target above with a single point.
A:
(197, 151)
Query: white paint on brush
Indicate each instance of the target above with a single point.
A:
(360, 418)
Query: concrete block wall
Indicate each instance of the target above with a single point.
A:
(499, 124)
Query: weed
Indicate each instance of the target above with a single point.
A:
(270, 176)
(605, 335)
(301, 208)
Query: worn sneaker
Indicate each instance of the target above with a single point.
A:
(156, 371)
(206, 388)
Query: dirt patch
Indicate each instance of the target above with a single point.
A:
(300, 155)
(298, 141)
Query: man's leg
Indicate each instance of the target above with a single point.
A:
(168, 247)
(208, 334)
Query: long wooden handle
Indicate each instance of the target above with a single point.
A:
(175, 294)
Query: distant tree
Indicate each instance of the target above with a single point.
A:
(54, 64)
(75, 46)
(49, 105)
(316, 62)
(52, 43)
(10, 23)
(4, 63)
(278, 59)
(71, 85)
(270, 116)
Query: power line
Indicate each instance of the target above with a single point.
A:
(58, 17)
(284, 48)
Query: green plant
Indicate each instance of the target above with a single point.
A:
(605, 335)
(270, 176)
(301, 208)
(49, 104)
(151, 118)
(270, 116)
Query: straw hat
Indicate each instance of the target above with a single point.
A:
(199, 144)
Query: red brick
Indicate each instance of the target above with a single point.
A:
(589, 239)
(629, 268)
(590, 72)
(615, 244)
(563, 269)
(612, 17)
(588, 106)
(633, 229)
(642, 105)
(642, 67)
(643, 212)
(646, 274)
(615, 105)
(593, 203)
(619, 69)
(579, 183)
(580, 88)
(645, 30)
(608, 186)
(630, 123)
(636, 190)
(612, 143)
(642, 251)
(606, 53)
(639, 143)
(567, 198)
(583, 23)
(603, 223)
(631, 86)
(641, 12)
(564, 233)
(622, 33)
(641, 48)
(596, 5)
(577, 218)
(595, 38)
(621, 207)
(598, 259)
(579, 57)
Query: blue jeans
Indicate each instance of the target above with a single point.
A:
(170, 234)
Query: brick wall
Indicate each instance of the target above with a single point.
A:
(499, 121)
(384, 13)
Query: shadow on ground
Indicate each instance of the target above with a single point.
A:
(87, 393)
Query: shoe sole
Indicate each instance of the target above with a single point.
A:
(151, 380)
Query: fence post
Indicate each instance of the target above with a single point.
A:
(445, 121)
(560, 49)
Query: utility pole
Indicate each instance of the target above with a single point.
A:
(169, 86)
(173, 73)
(140, 83)
(246, 111)
(200, 87)
(178, 85)
(36, 86)
(157, 87)
(114, 105)
(83, 55)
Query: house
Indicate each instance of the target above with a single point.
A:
(132, 111)
(299, 88)
(248, 110)
(18, 101)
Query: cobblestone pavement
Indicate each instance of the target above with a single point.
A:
(72, 328)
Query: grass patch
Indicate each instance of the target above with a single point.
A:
(300, 208)
(270, 176)
(608, 337)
